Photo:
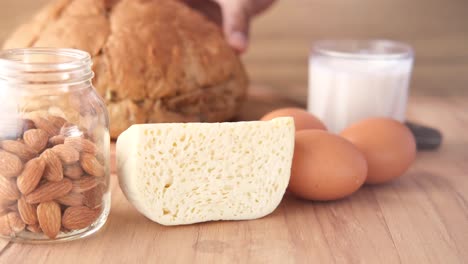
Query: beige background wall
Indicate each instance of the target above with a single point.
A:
(438, 30)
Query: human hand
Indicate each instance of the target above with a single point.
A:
(233, 15)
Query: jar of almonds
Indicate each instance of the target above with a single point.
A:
(54, 146)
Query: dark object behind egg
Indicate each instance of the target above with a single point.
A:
(427, 138)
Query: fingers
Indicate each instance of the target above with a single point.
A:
(236, 22)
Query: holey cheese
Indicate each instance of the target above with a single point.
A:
(195, 172)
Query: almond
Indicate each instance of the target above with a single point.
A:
(57, 121)
(27, 212)
(100, 158)
(3, 210)
(36, 139)
(64, 230)
(49, 191)
(50, 218)
(73, 171)
(31, 175)
(56, 140)
(53, 170)
(45, 125)
(5, 206)
(84, 184)
(82, 144)
(34, 228)
(27, 124)
(5, 228)
(21, 150)
(13, 207)
(71, 199)
(93, 197)
(8, 189)
(78, 217)
(10, 165)
(66, 153)
(17, 225)
(91, 165)
(6, 203)
(10, 224)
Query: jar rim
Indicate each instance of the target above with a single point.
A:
(76, 58)
(372, 49)
(45, 66)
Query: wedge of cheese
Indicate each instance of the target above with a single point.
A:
(195, 172)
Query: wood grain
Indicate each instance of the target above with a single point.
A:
(420, 218)
(282, 37)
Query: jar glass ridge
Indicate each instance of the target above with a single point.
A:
(50, 108)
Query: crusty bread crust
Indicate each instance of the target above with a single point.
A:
(155, 60)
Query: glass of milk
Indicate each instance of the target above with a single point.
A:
(350, 80)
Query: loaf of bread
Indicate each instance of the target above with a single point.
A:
(195, 172)
(154, 60)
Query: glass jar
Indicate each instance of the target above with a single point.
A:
(54, 146)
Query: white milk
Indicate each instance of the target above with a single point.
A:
(344, 90)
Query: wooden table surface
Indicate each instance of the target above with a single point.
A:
(420, 218)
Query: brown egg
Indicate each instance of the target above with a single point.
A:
(302, 118)
(388, 145)
(325, 166)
